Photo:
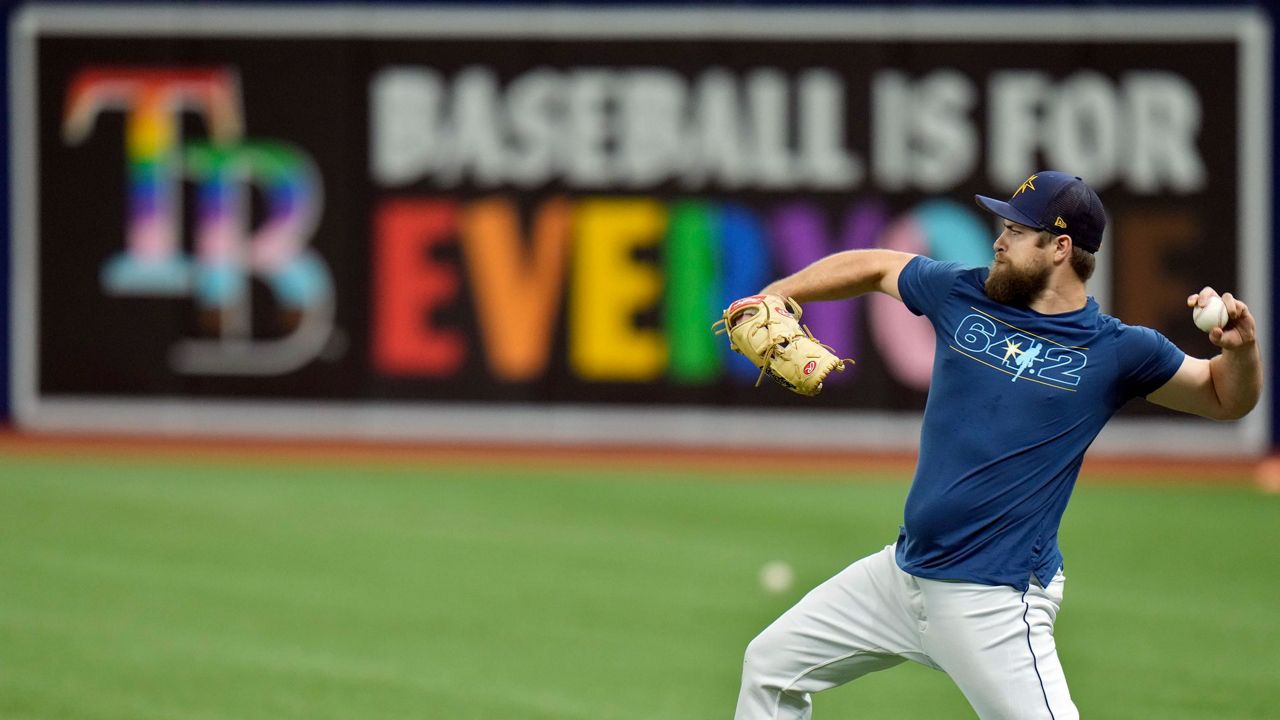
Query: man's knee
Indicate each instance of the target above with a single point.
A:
(765, 657)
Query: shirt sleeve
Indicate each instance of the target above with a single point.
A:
(1147, 358)
(924, 283)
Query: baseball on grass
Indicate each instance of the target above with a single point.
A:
(1212, 315)
(777, 576)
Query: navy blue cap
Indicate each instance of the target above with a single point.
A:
(1058, 203)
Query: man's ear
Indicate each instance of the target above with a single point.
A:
(1063, 245)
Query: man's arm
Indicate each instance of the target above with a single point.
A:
(842, 275)
(1225, 387)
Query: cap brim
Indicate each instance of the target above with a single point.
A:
(1006, 211)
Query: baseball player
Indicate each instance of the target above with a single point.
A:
(1027, 371)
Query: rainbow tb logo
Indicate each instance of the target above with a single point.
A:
(227, 252)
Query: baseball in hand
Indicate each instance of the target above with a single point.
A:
(1212, 315)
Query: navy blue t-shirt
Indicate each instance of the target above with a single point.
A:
(1015, 400)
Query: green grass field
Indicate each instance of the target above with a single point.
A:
(161, 589)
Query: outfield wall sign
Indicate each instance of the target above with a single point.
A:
(519, 224)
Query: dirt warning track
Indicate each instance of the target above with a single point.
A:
(748, 463)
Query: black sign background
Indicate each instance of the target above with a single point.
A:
(314, 93)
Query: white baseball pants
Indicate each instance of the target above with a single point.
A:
(995, 642)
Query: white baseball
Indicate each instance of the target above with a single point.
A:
(1212, 315)
(777, 577)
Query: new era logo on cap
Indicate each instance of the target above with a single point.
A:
(1051, 199)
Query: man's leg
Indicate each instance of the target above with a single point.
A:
(859, 621)
(997, 644)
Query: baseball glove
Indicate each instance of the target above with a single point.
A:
(773, 339)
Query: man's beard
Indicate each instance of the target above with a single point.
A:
(1013, 286)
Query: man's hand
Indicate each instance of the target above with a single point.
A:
(1240, 330)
